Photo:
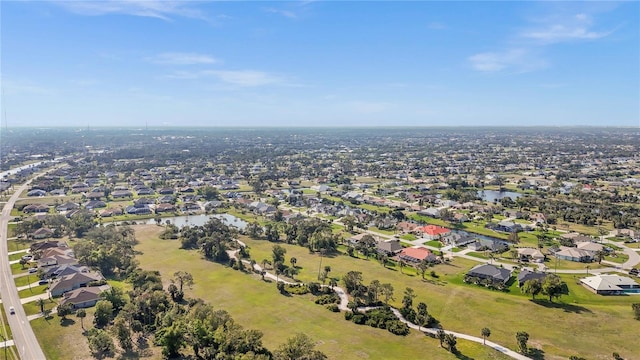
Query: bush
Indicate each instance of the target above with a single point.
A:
(359, 319)
(397, 327)
(348, 315)
(327, 299)
(333, 307)
(297, 289)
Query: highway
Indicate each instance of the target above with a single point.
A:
(25, 340)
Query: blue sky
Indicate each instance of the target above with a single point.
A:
(320, 63)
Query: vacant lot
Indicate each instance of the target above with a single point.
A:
(560, 330)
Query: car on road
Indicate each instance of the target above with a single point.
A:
(12, 310)
(27, 257)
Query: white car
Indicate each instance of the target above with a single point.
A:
(32, 270)
(12, 311)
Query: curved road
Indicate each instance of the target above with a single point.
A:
(344, 301)
(23, 336)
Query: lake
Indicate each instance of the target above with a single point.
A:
(492, 195)
(199, 220)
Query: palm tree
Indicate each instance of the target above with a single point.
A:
(293, 262)
(81, 313)
(41, 303)
(486, 332)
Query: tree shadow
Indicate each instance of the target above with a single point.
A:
(535, 354)
(566, 307)
(462, 356)
(67, 322)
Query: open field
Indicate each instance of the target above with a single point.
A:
(560, 329)
(257, 304)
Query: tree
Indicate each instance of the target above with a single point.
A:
(300, 346)
(617, 356)
(352, 280)
(386, 290)
(522, 338)
(182, 278)
(277, 254)
(123, 333)
(441, 335)
(486, 332)
(209, 193)
(100, 342)
(552, 286)
(64, 311)
(422, 316)
(103, 314)
(41, 303)
(450, 340)
(172, 339)
(81, 314)
(293, 261)
(636, 310)
(407, 300)
(422, 267)
(599, 255)
(23, 262)
(532, 287)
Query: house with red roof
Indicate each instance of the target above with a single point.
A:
(434, 232)
(416, 255)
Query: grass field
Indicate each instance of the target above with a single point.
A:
(257, 304)
(32, 308)
(35, 290)
(560, 329)
(15, 245)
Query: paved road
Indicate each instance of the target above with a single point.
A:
(23, 336)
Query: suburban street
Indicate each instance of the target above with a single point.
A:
(23, 337)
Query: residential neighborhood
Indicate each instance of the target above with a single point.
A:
(492, 225)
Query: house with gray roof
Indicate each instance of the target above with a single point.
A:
(491, 272)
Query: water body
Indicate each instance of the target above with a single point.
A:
(199, 220)
(492, 195)
(477, 236)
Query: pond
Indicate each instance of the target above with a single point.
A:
(492, 195)
(199, 220)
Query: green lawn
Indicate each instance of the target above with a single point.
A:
(35, 290)
(32, 308)
(25, 280)
(409, 237)
(434, 243)
(620, 258)
(61, 341)
(257, 304)
(16, 256)
(15, 245)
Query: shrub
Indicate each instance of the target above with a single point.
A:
(327, 299)
(333, 307)
(359, 319)
(297, 289)
(348, 315)
(397, 327)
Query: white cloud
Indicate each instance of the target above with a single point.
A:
(242, 78)
(245, 78)
(576, 27)
(161, 9)
(176, 58)
(285, 13)
(518, 60)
